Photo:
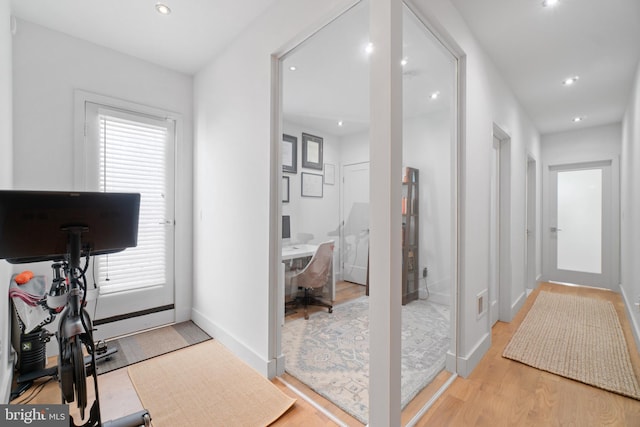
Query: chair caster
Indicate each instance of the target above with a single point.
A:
(330, 309)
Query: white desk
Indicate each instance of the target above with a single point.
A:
(298, 251)
(302, 251)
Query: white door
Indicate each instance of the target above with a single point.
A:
(355, 220)
(500, 243)
(131, 152)
(530, 260)
(580, 224)
(494, 247)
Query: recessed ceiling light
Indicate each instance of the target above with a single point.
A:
(293, 68)
(404, 62)
(577, 119)
(549, 3)
(340, 123)
(569, 81)
(163, 9)
(369, 48)
(435, 95)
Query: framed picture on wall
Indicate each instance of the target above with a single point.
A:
(311, 151)
(311, 184)
(285, 189)
(329, 174)
(289, 153)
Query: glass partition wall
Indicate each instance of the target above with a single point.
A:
(428, 210)
(325, 122)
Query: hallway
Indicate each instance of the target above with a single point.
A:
(501, 392)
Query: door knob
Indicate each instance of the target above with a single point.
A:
(555, 229)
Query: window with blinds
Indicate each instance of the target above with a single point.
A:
(133, 158)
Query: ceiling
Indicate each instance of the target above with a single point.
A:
(534, 48)
(186, 40)
(330, 83)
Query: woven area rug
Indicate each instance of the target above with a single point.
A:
(578, 338)
(330, 352)
(206, 385)
(136, 348)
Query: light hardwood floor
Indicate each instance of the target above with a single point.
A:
(499, 392)
(502, 392)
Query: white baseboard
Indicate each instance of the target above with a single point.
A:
(439, 298)
(267, 368)
(438, 291)
(517, 305)
(464, 365)
(631, 314)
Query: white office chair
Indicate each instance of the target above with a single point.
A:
(314, 276)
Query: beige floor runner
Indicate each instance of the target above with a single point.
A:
(576, 337)
(206, 385)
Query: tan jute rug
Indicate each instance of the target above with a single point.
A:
(576, 337)
(206, 385)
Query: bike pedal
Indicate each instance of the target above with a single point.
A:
(101, 347)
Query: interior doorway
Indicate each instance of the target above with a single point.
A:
(581, 223)
(355, 222)
(531, 232)
(500, 270)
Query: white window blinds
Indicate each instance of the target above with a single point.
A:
(132, 158)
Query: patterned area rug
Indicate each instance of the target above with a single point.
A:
(576, 337)
(330, 352)
(145, 345)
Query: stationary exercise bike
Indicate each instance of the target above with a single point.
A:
(108, 222)
(75, 333)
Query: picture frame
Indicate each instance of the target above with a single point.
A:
(329, 174)
(311, 184)
(289, 152)
(285, 189)
(311, 151)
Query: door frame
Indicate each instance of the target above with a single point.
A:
(531, 212)
(500, 234)
(180, 307)
(611, 267)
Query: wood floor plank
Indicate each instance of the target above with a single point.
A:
(502, 392)
(499, 392)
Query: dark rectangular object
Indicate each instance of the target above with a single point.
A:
(286, 227)
(34, 224)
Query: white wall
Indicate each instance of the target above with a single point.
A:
(488, 100)
(318, 216)
(354, 148)
(236, 176)
(47, 67)
(427, 146)
(234, 181)
(6, 171)
(630, 208)
(577, 146)
(582, 145)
